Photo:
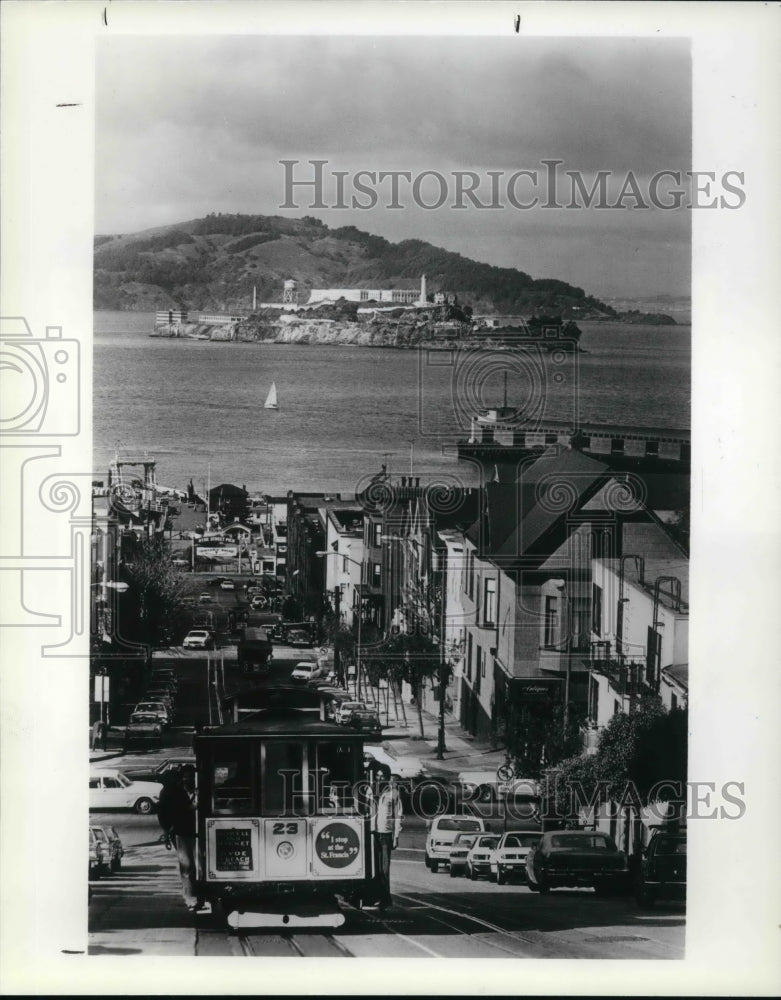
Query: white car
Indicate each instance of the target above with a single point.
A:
(306, 670)
(478, 861)
(442, 832)
(343, 710)
(114, 790)
(509, 859)
(198, 638)
(227, 585)
(157, 708)
(405, 768)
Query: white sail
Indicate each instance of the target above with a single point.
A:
(271, 399)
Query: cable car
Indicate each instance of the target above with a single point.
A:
(283, 820)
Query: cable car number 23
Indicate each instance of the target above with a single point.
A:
(284, 828)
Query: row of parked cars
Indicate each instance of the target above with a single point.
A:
(156, 710)
(105, 851)
(558, 859)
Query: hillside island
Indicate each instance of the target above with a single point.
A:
(254, 278)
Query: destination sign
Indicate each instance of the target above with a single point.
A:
(233, 849)
(337, 845)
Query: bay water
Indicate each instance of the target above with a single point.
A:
(346, 410)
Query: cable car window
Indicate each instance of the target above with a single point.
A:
(231, 781)
(337, 771)
(284, 775)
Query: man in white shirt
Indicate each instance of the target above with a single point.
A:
(387, 815)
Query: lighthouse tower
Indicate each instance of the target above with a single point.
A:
(422, 301)
(289, 291)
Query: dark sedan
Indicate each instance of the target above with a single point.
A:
(662, 869)
(576, 858)
(160, 772)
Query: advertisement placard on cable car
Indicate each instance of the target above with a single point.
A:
(338, 847)
(232, 849)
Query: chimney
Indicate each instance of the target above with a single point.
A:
(417, 481)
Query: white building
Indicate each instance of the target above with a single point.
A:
(344, 537)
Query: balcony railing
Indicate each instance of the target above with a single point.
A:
(625, 677)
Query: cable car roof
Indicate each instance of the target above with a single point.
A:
(291, 722)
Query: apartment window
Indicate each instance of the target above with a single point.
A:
(596, 609)
(580, 638)
(377, 575)
(616, 707)
(378, 534)
(470, 574)
(345, 565)
(479, 667)
(653, 657)
(489, 603)
(483, 661)
(469, 651)
(551, 621)
(593, 699)
(673, 701)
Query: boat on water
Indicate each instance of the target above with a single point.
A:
(271, 400)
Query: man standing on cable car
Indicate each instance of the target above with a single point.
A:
(387, 815)
(176, 815)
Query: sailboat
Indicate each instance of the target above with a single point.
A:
(271, 400)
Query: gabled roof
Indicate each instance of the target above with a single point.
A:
(549, 488)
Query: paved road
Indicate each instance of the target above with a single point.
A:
(140, 911)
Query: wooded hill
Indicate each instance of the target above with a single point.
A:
(213, 264)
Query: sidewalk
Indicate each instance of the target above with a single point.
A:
(462, 751)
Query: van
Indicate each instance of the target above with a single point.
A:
(442, 832)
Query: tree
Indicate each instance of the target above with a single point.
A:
(641, 759)
(153, 603)
(407, 656)
(534, 736)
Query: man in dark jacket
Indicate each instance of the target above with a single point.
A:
(176, 814)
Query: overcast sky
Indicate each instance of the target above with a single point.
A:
(187, 126)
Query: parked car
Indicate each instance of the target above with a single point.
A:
(112, 790)
(662, 870)
(143, 726)
(298, 637)
(576, 858)
(459, 851)
(160, 771)
(215, 581)
(258, 601)
(97, 856)
(509, 859)
(227, 585)
(344, 709)
(154, 708)
(205, 598)
(478, 861)
(366, 720)
(112, 849)
(442, 831)
(306, 670)
(198, 638)
(167, 678)
(160, 694)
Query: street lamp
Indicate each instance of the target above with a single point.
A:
(321, 554)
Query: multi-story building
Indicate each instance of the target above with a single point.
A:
(640, 625)
(344, 569)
